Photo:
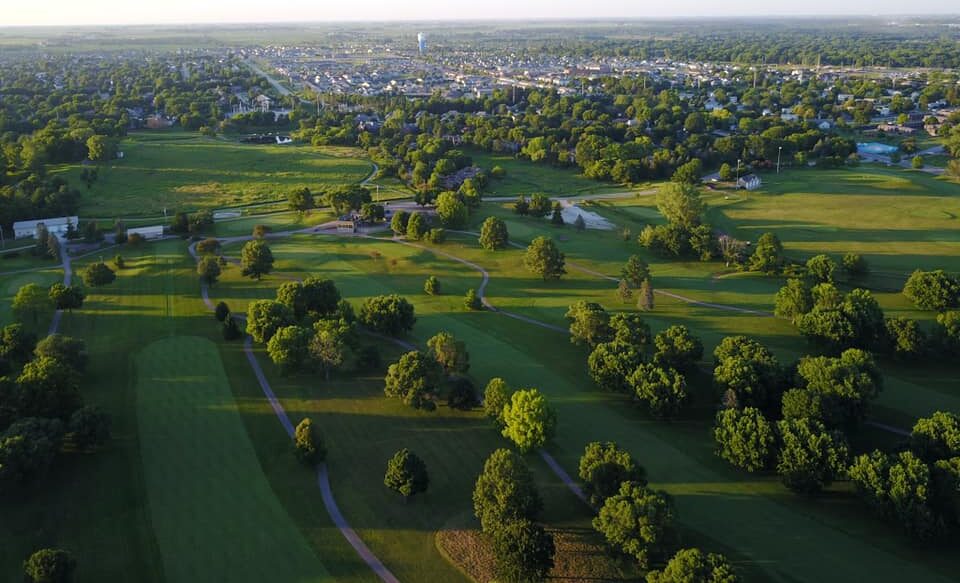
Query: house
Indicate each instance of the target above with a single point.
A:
(825, 125)
(347, 224)
(749, 182)
(262, 103)
(148, 233)
(57, 226)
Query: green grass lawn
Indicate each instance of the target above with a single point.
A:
(746, 516)
(201, 470)
(184, 171)
(525, 177)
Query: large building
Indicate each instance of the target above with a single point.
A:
(421, 42)
(57, 226)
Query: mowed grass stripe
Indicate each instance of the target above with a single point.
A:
(214, 514)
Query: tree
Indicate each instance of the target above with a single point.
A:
(452, 211)
(495, 396)
(603, 467)
(916, 162)
(589, 323)
(726, 172)
(16, 343)
(308, 443)
(556, 217)
(539, 205)
(53, 247)
(680, 204)
(431, 286)
(695, 566)
(932, 290)
(398, 224)
(677, 348)
(208, 268)
(907, 340)
(100, 148)
(793, 300)
(472, 301)
(638, 522)
(265, 317)
(545, 259)
(209, 246)
(635, 271)
(70, 351)
(630, 329)
(289, 347)
(406, 474)
(811, 457)
(98, 274)
(903, 488)
(645, 296)
(936, 437)
(388, 314)
(180, 223)
(768, 255)
(343, 199)
(417, 226)
(30, 302)
(623, 291)
(505, 491)
(231, 330)
(663, 390)
(493, 234)
(854, 265)
(524, 552)
(529, 422)
(947, 332)
(846, 385)
(413, 378)
(749, 370)
(689, 173)
(48, 388)
(256, 259)
(89, 427)
(522, 206)
(821, 268)
(300, 199)
(449, 352)
(316, 297)
(221, 311)
(612, 363)
(28, 448)
(745, 438)
(329, 343)
(51, 565)
(66, 297)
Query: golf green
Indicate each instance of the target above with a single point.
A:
(214, 514)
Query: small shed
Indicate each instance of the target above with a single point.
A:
(749, 182)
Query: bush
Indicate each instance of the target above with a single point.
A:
(50, 566)
(432, 286)
(221, 311)
(308, 444)
(436, 236)
(472, 301)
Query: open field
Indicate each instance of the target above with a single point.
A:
(184, 171)
(713, 500)
(525, 177)
(201, 469)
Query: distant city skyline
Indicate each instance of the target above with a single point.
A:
(105, 12)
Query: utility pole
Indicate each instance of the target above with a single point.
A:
(779, 150)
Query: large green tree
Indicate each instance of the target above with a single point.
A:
(288, 348)
(695, 566)
(745, 438)
(449, 352)
(612, 363)
(545, 259)
(265, 317)
(505, 491)
(413, 378)
(681, 204)
(589, 323)
(662, 390)
(493, 234)
(308, 443)
(603, 467)
(388, 314)
(811, 457)
(677, 348)
(529, 421)
(406, 474)
(256, 259)
(638, 522)
(768, 255)
(524, 552)
(30, 302)
(933, 290)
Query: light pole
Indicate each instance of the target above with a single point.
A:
(736, 185)
(779, 150)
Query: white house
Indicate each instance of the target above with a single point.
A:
(57, 226)
(148, 233)
(749, 182)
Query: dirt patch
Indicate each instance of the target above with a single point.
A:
(580, 556)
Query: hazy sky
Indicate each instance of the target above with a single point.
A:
(80, 12)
